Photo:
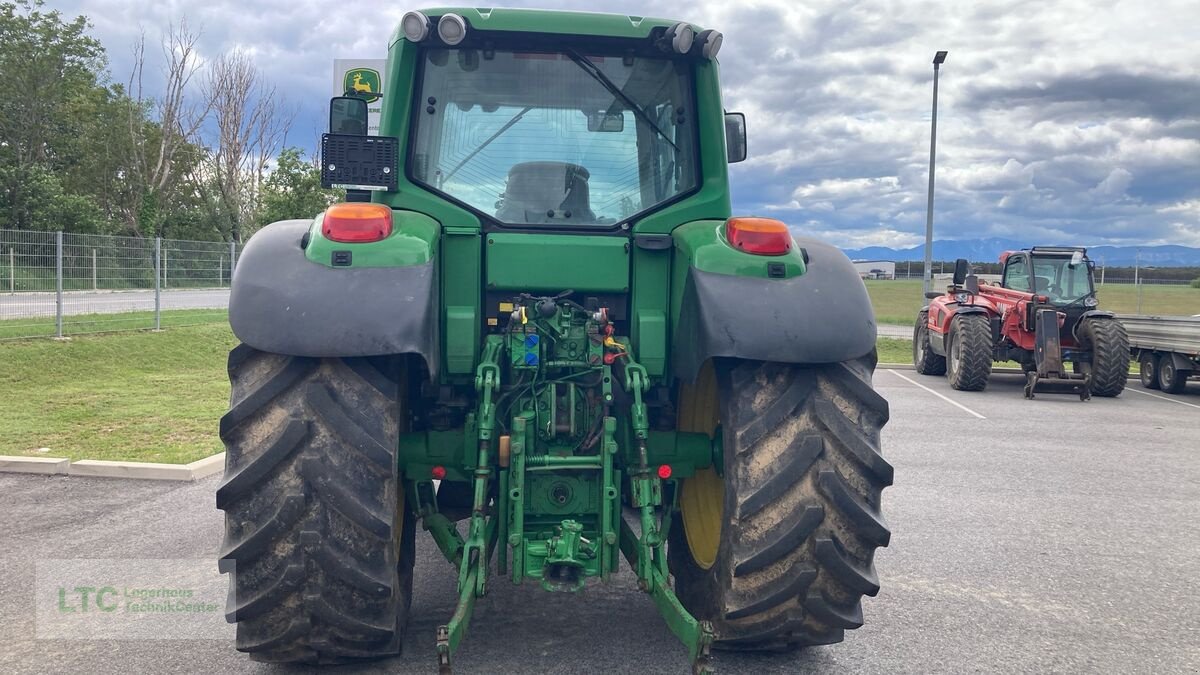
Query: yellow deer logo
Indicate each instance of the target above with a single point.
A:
(363, 83)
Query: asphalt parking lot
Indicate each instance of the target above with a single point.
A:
(1028, 536)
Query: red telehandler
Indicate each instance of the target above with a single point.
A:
(1042, 315)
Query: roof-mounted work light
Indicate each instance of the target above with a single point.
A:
(680, 36)
(415, 26)
(452, 29)
(710, 43)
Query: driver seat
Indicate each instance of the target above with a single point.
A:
(546, 192)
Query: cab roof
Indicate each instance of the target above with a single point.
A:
(550, 21)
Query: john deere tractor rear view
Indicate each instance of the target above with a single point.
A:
(535, 330)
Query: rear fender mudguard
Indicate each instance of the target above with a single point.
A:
(282, 302)
(1090, 314)
(821, 316)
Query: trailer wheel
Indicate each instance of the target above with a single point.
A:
(319, 550)
(778, 550)
(925, 360)
(969, 354)
(1148, 370)
(1171, 379)
(1110, 354)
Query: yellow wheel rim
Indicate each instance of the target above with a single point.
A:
(702, 496)
(700, 500)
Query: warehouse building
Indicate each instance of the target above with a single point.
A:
(876, 269)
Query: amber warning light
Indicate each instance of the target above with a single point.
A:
(356, 223)
(760, 236)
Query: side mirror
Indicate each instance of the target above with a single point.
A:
(961, 269)
(348, 116)
(735, 136)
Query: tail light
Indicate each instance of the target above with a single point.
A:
(760, 236)
(357, 222)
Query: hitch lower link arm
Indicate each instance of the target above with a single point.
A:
(481, 534)
(647, 554)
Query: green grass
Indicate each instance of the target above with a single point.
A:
(142, 396)
(898, 301)
(894, 350)
(150, 397)
(78, 324)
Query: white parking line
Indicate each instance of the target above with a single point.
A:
(944, 398)
(1146, 393)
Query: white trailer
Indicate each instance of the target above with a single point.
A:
(1167, 349)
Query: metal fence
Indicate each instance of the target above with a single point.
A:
(54, 284)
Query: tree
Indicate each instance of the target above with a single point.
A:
(293, 189)
(49, 67)
(158, 148)
(252, 124)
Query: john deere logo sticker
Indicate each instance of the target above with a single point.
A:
(362, 82)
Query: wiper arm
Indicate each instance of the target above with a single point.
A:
(598, 75)
(507, 125)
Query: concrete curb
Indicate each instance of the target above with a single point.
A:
(98, 468)
(45, 465)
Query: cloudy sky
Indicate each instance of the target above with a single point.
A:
(1058, 121)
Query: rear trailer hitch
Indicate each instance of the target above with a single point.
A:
(555, 513)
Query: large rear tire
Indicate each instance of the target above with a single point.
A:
(784, 556)
(969, 354)
(317, 544)
(1110, 354)
(925, 360)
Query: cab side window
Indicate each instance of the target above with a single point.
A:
(1016, 274)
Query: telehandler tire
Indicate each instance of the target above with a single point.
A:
(317, 541)
(1110, 354)
(925, 360)
(969, 352)
(778, 550)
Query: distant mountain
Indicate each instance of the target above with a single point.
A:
(988, 250)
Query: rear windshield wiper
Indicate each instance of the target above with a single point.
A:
(598, 75)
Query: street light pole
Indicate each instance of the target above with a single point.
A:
(938, 59)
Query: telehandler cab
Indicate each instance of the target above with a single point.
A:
(535, 329)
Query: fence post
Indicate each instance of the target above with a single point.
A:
(58, 284)
(12, 272)
(232, 261)
(94, 286)
(164, 265)
(157, 290)
(220, 271)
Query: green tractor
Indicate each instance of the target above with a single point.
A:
(535, 329)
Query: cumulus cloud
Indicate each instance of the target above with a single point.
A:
(1063, 120)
